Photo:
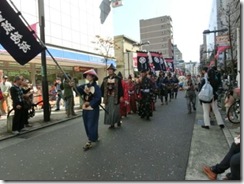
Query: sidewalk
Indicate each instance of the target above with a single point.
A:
(208, 147)
(37, 121)
(230, 131)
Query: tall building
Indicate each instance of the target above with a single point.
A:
(177, 54)
(159, 32)
(71, 26)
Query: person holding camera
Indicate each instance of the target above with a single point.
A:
(190, 88)
(67, 85)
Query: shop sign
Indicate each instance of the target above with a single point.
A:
(80, 69)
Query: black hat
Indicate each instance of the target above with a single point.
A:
(120, 75)
(205, 69)
(130, 77)
(111, 67)
(143, 70)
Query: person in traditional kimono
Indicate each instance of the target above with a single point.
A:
(91, 94)
(162, 87)
(145, 107)
(112, 93)
(132, 95)
(124, 105)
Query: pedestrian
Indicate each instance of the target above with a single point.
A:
(91, 94)
(5, 86)
(112, 93)
(132, 95)
(67, 85)
(175, 82)
(212, 104)
(27, 100)
(59, 93)
(229, 100)
(162, 88)
(17, 98)
(190, 95)
(145, 104)
(231, 160)
(124, 105)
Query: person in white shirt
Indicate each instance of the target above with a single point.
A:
(5, 86)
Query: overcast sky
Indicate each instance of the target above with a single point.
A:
(189, 18)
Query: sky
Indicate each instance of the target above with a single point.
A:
(189, 19)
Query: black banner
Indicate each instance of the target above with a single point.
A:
(15, 37)
(142, 61)
(162, 63)
(156, 61)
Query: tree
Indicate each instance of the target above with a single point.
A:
(105, 47)
(230, 18)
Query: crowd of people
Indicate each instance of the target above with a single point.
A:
(120, 98)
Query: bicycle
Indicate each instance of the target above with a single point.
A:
(234, 112)
(221, 95)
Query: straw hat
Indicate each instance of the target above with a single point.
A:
(91, 72)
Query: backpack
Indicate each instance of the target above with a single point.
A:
(214, 79)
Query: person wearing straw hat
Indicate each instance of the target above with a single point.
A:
(112, 93)
(91, 94)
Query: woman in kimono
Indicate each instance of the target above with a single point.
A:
(91, 100)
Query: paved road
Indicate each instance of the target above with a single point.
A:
(141, 150)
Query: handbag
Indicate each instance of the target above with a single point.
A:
(206, 93)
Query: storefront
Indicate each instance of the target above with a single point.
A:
(72, 62)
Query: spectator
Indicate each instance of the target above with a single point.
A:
(231, 160)
(67, 85)
(27, 100)
(190, 87)
(5, 86)
(213, 104)
(18, 105)
(59, 93)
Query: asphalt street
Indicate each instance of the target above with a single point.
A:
(140, 150)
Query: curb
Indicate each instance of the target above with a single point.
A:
(39, 127)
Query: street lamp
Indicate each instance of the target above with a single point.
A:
(215, 31)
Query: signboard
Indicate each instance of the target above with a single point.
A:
(223, 40)
(80, 69)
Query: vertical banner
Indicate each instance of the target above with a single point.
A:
(15, 37)
(162, 63)
(170, 63)
(156, 61)
(142, 61)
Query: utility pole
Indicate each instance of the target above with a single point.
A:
(46, 108)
